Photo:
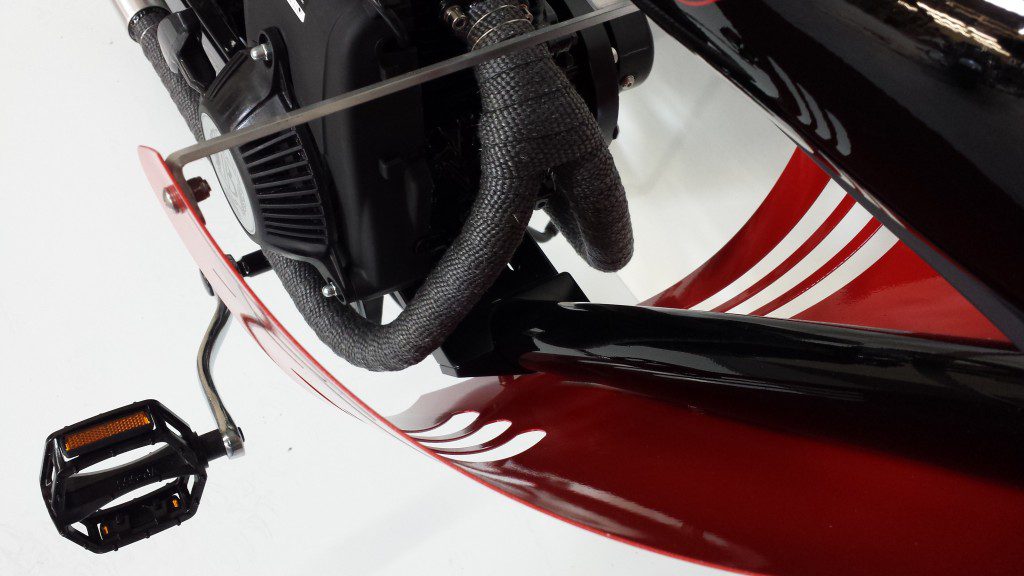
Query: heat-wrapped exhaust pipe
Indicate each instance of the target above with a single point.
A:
(533, 124)
(142, 18)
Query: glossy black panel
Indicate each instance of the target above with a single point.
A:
(916, 107)
(955, 405)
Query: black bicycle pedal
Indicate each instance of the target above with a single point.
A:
(104, 507)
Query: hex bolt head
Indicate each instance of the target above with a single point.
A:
(329, 290)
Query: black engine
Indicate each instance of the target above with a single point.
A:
(374, 196)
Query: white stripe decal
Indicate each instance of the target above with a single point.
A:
(482, 436)
(852, 223)
(297, 8)
(517, 445)
(815, 216)
(457, 423)
(881, 242)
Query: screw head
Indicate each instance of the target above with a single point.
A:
(170, 196)
(329, 290)
(628, 82)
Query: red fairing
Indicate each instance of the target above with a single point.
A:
(672, 478)
(229, 286)
(665, 475)
(810, 253)
(797, 188)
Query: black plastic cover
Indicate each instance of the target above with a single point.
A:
(381, 188)
(284, 202)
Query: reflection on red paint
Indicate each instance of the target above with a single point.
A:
(797, 188)
(672, 478)
(902, 292)
(239, 298)
(675, 478)
(823, 231)
(899, 292)
(827, 268)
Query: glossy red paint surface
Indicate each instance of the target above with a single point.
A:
(898, 292)
(830, 266)
(229, 286)
(796, 189)
(828, 226)
(902, 292)
(663, 473)
(672, 477)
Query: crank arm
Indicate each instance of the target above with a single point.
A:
(231, 435)
(100, 507)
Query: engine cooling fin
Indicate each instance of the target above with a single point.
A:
(287, 195)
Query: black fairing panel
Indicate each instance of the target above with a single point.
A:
(343, 45)
(916, 107)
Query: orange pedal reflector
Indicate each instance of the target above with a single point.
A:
(93, 434)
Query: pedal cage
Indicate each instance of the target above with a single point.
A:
(78, 496)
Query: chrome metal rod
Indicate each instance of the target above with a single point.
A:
(231, 434)
(129, 8)
(177, 160)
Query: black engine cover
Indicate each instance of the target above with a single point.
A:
(275, 185)
(373, 195)
(381, 188)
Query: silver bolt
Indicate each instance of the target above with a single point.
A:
(171, 200)
(329, 290)
(261, 53)
(455, 17)
(628, 82)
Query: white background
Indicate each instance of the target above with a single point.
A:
(101, 306)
